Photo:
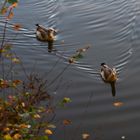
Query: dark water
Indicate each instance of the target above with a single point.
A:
(111, 27)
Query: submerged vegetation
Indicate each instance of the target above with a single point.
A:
(26, 109)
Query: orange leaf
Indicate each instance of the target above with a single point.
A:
(17, 82)
(4, 83)
(118, 104)
(3, 10)
(16, 27)
(17, 136)
(14, 5)
(67, 122)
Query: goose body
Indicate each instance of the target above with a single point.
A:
(109, 75)
(44, 34)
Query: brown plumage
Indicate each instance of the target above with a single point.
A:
(109, 75)
(44, 34)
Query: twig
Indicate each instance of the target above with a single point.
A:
(58, 75)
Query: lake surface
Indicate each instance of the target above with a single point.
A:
(112, 29)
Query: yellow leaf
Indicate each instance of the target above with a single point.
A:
(15, 60)
(85, 136)
(2, 50)
(8, 137)
(36, 116)
(23, 104)
(8, 55)
(48, 132)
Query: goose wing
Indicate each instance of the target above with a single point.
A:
(105, 73)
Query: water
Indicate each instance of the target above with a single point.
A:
(112, 30)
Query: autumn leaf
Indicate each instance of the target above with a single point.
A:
(17, 82)
(66, 100)
(14, 5)
(4, 83)
(7, 46)
(71, 60)
(83, 49)
(23, 104)
(48, 132)
(2, 50)
(36, 116)
(67, 122)
(8, 137)
(8, 55)
(17, 136)
(6, 129)
(51, 126)
(85, 136)
(16, 27)
(24, 126)
(15, 60)
(78, 54)
(3, 10)
(118, 104)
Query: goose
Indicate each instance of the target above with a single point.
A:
(109, 75)
(44, 34)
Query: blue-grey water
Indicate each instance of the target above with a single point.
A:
(112, 29)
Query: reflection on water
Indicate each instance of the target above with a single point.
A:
(112, 30)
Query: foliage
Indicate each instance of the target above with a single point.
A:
(7, 7)
(78, 55)
(23, 113)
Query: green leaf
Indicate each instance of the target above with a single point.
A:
(42, 138)
(66, 100)
(12, 1)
